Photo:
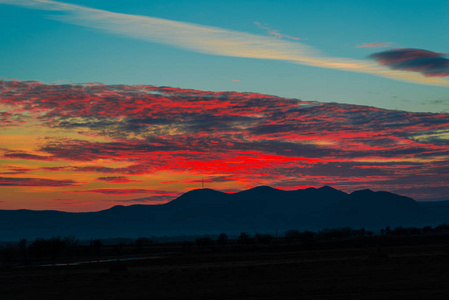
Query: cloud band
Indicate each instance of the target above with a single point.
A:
(216, 41)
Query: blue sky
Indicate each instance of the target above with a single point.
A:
(44, 44)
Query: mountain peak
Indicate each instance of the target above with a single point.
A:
(207, 211)
(197, 197)
(203, 190)
(264, 188)
(363, 192)
(327, 188)
(200, 193)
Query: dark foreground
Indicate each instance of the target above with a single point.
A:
(405, 272)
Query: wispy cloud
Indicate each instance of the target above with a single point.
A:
(15, 170)
(125, 192)
(214, 40)
(375, 45)
(275, 33)
(117, 179)
(11, 181)
(22, 155)
(158, 199)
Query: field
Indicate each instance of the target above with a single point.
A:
(393, 272)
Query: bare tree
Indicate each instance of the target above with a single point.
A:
(222, 240)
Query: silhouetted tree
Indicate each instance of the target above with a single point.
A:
(369, 233)
(37, 249)
(346, 232)
(119, 249)
(72, 244)
(204, 243)
(51, 248)
(6, 254)
(307, 237)
(187, 246)
(292, 235)
(405, 231)
(23, 249)
(362, 232)
(264, 238)
(222, 240)
(332, 234)
(71, 241)
(140, 243)
(244, 238)
(398, 231)
(442, 228)
(413, 230)
(94, 248)
(56, 246)
(427, 229)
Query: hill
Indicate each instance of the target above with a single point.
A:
(206, 211)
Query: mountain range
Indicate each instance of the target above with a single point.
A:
(205, 211)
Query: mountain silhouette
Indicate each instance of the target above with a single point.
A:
(366, 208)
(206, 211)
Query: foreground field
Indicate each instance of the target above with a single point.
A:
(406, 272)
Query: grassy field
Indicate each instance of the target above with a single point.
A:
(396, 272)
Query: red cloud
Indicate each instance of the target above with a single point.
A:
(242, 138)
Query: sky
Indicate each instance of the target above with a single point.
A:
(125, 102)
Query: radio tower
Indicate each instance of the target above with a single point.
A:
(202, 182)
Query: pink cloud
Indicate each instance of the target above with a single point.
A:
(375, 45)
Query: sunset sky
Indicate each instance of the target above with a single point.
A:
(125, 102)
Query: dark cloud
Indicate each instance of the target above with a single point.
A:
(159, 199)
(437, 101)
(428, 63)
(11, 181)
(125, 192)
(16, 171)
(23, 155)
(117, 179)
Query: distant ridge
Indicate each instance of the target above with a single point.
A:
(207, 211)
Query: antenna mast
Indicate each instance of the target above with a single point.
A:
(202, 182)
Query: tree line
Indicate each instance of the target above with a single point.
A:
(67, 249)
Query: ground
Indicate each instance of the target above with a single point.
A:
(399, 272)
